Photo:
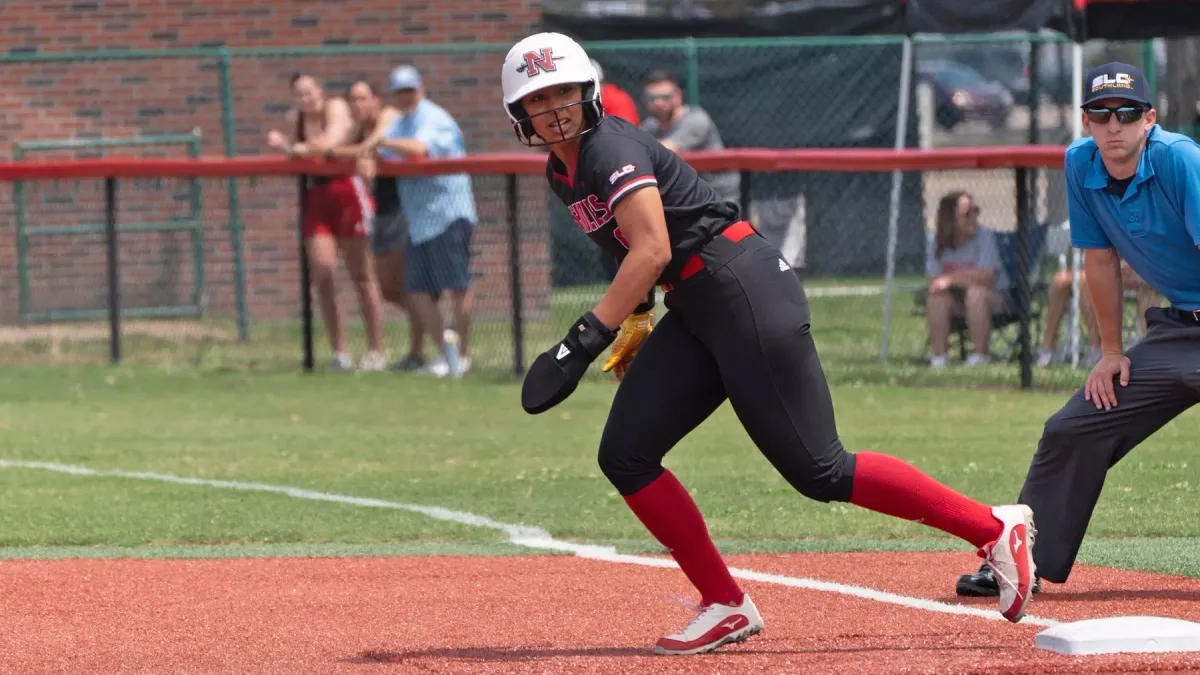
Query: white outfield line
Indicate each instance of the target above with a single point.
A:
(842, 291)
(568, 298)
(529, 537)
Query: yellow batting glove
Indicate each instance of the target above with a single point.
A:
(634, 331)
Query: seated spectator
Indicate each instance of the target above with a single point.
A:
(684, 128)
(966, 278)
(441, 219)
(389, 238)
(1056, 306)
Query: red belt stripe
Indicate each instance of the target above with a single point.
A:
(735, 232)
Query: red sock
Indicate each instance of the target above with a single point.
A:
(897, 488)
(667, 510)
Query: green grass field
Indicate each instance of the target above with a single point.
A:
(848, 330)
(245, 413)
(468, 446)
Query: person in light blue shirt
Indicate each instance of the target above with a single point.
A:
(441, 218)
(1133, 193)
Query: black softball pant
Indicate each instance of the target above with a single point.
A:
(1080, 443)
(738, 329)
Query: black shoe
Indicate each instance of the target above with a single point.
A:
(409, 364)
(983, 584)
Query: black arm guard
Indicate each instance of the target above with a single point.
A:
(556, 372)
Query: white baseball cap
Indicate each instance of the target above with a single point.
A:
(404, 77)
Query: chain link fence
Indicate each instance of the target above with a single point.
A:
(162, 271)
(210, 269)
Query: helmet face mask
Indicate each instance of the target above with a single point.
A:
(542, 61)
(522, 121)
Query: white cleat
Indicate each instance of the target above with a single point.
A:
(372, 362)
(341, 363)
(435, 368)
(1011, 559)
(714, 626)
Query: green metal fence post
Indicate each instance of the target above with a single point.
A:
(235, 202)
(1149, 63)
(692, 76)
(1035, 92)
(197, 217)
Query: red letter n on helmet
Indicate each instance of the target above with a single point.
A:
(540, 61)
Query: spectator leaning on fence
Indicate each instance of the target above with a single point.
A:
(441, 218)
(962, 262)
(684, 128)
(337, 216)
(389, 239)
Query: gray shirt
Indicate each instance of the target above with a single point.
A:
(695, 131)
(980, 251)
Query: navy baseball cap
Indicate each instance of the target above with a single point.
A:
(1116, 80)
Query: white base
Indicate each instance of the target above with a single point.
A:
(1128, 634)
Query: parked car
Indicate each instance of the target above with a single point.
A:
(1009, 64)
(1006, 63)
(960, 93)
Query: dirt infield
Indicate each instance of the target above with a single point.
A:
(553, 614)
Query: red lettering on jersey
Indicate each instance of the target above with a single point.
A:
(579, 214)
(590, 214)
(598, 208)
(620, 236)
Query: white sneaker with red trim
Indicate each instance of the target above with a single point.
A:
(714, 626)
(1011, 559)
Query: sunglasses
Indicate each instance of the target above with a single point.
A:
(1125, 114)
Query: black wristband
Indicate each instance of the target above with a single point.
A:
(647, 305)
(592, 335)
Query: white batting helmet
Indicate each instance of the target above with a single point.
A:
(544, 60)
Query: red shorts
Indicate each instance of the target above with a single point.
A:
(341, 207)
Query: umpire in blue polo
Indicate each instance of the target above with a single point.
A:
(1133, 193)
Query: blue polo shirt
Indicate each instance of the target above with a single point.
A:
(432, 204)
(1155, 226)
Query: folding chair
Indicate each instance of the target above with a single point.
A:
(1006, 324)
(1005, 334)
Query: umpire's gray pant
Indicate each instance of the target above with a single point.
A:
(1080, 442)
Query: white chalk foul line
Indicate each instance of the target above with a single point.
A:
(816, 291)
(529, 537)
(842, 291)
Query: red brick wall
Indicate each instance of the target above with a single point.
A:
(111, 98)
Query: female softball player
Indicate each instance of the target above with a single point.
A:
(738, 329)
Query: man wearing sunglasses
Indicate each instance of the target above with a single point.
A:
(685, 128)
(1133, 194)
